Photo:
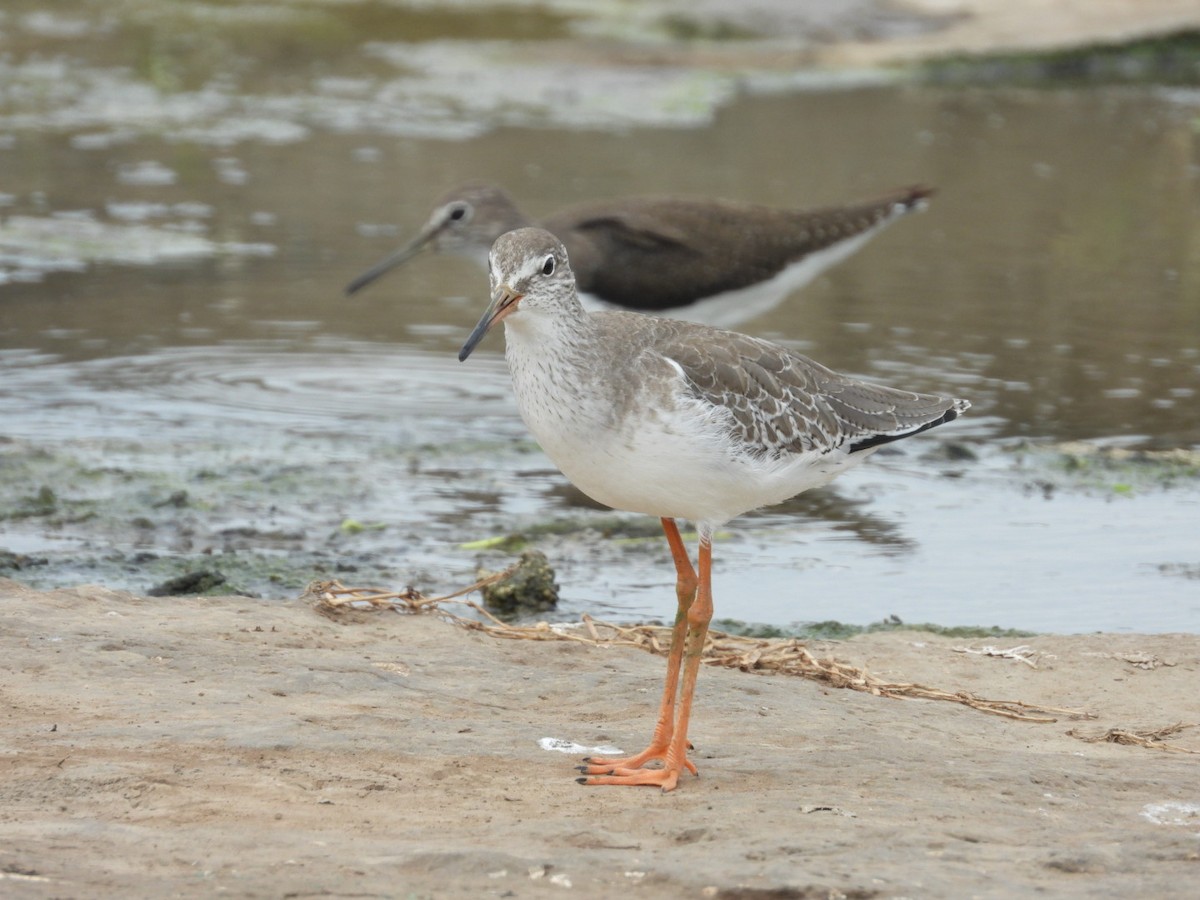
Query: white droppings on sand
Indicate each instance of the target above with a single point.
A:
(561, 745)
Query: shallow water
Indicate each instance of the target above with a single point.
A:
(178, 220)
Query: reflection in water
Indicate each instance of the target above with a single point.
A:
(1055, 289)
(845, 515)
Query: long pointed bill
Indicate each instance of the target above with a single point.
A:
(405, 253)
(504, 301)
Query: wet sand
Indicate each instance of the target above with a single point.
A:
(242, 747)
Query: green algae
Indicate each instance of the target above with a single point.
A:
(1172, 59)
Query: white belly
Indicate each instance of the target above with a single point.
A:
(676, 481)
(731, 308)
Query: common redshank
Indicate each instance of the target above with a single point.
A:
(680, 421)
(711, 261)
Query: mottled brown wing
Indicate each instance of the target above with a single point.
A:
(784, 403)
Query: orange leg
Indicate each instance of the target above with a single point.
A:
(685, 593)
(670, 743)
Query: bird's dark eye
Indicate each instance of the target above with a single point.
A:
(548, 266)
(458, 213)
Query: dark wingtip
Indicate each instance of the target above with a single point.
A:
(876, 440)
(898, 202)
(916, 196)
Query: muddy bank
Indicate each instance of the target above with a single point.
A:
(252, 748)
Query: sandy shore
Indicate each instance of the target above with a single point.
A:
(1016, 26)
(251, 748)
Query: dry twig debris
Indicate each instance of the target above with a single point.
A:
(760, 655)
(1150, 738)
(1024, 653)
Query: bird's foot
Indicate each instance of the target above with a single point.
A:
(634, 771)
(665, 778)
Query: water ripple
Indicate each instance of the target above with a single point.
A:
(373, 390)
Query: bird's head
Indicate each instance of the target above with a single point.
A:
(464, 222)
(530, 276)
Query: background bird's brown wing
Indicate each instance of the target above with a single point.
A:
(673, 251)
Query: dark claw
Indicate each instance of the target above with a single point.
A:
(582, 769)
(581, 781)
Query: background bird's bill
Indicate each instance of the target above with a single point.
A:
(427, 233)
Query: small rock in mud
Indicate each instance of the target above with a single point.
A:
(530, 587)
(179, 500)
(188, 583)
(17, 561)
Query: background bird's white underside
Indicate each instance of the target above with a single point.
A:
(732, 307)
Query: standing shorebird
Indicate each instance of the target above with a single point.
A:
(679, 421)
(711, 261)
